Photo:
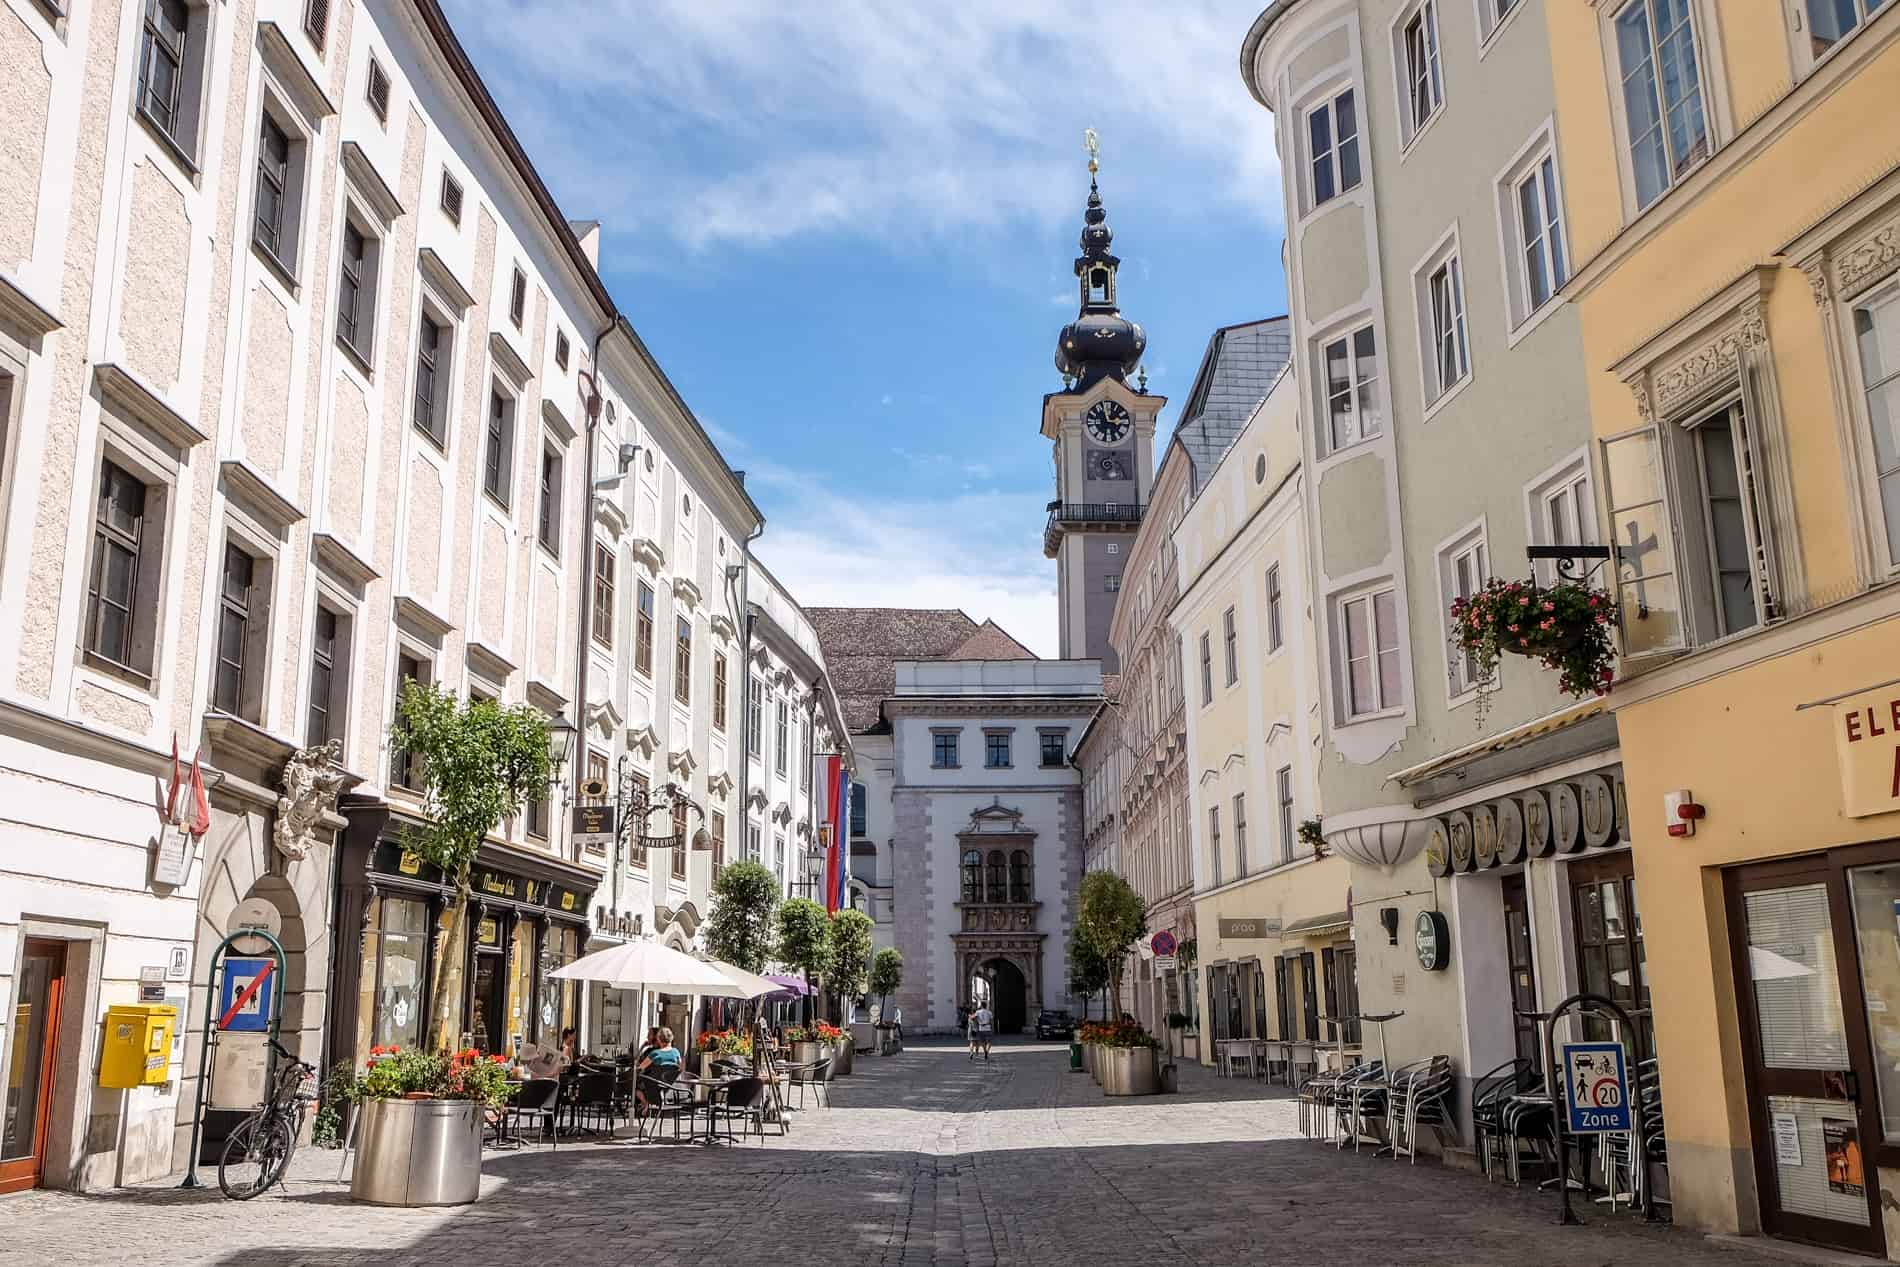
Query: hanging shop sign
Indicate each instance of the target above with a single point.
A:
(1596, 1088)
(594, 826)
(1432, 939)
(1867, 746)
(497, 884)
(1589, 812)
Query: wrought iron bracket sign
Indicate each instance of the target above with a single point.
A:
(1570, 559)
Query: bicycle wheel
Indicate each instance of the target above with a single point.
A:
(255, 1156)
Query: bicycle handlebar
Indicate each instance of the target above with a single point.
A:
(291, 1056)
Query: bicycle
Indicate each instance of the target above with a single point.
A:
(258, 1151)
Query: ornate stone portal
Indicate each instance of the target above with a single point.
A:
(311, 782)
(997, 915)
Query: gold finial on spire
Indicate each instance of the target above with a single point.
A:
(1093, 144)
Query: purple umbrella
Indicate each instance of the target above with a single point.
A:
(795, 987)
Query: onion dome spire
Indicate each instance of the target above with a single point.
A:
(1100, 341)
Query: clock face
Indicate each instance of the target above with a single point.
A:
(1107, 421)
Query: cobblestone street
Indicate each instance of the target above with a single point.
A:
(924, 1159)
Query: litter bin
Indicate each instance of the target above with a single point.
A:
(1075, 1056)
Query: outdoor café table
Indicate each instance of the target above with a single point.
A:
(707, 1093)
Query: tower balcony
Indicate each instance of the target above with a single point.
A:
(1066, 517)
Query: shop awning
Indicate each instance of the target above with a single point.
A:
(1569, 732)
(1317, 924)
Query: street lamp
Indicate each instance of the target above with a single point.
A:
(561, 734)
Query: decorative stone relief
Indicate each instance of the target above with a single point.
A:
(1815, 270)
(1873, 257)
(311, 781)
(1717, 359)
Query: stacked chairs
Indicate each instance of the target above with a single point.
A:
(1528, 1120)
(1359, 1099)
(1422, 1098)
(1624, 1174)
(1316, 1098)
(1489, 1097)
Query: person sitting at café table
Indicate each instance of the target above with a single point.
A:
(653, 1040)
(661, 1054)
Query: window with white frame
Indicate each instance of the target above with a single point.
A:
(1350, 373)
(1462, 570)
(1367, 653)
(1877, 334)
(1831, 21)
(1667, 130)
(1275, 626)
(240, 659)
(277, 203)
(171, 87)
(1491, 15)
(1207, 670)
(1441, 299)
(1648, 593)
(1561, 513)
(1213, 840)
(1730, 590)
(498, 446)
(1530, 208)
(1422, 79)
(1230, 641)
(1240, 835)
(1332, 134)
(123, 592)
(328, 712)
(435, 343)
(1283, 791)
(356, 289)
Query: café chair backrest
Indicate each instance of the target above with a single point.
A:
(538, 1093)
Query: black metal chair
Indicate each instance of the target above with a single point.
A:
(1488, 1098)
(538, 1100)
(1528, 1120)
(593, 1100)
(663, 1099)
(743, 1100)
(816, 1075)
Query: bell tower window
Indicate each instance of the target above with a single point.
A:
(1098, 286)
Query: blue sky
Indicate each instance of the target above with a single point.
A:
(846, 231)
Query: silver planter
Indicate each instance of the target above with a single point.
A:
(808, 1053)
(418, 1152)
(1092, 1060)
(844, 1054)
(1130, 1071)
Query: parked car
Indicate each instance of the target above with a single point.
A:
(1055, 1024)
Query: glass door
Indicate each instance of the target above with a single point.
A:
(30, 1066)
(1609, 939)
(1806, 1053)
(1521, 957)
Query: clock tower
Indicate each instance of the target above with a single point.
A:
(1102, 432)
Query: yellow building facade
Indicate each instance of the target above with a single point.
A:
(1731, 178)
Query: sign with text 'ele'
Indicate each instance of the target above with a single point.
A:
(1596, 1088)
(1867, 743)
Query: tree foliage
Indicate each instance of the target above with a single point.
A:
(887, 974)
(476, 762)
(849, 939)
(1112, 918)
(804, 936)
(740, 926)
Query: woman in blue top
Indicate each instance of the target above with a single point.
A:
(664, 1053)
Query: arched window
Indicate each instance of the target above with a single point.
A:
(996, 869)
(1019, 876)
(972, 876)
(1098, 285)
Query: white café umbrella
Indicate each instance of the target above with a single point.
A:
(751, 984)
(647, 964)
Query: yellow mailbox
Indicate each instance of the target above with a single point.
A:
(138, 1044)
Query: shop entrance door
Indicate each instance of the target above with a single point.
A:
(490, 981)
(1811, 1086)
(30, 1066)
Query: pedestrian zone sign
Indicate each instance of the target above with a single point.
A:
(1596, 1088)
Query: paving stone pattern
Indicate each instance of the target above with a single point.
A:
(924, 1159)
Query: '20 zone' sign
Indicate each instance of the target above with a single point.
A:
(1596, 1088)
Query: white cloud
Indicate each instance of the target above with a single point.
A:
(976, 550)
(720, 122)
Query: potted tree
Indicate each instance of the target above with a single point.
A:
(849, 947)
(479, 762)
(739, 928)
(1111, 919)
(803, 945)
(887, 975)
(1088, 973)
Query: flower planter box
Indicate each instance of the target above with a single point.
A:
(1091, 1057)
(805, 1054)
(418, 1152)
(843, 1055)
(1130, 1071)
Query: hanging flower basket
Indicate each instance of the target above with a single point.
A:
(1565, 626)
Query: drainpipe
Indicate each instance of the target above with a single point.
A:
(745, 668)
(581, 659)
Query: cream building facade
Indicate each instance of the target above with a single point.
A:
(1274, 950)
(315, 366)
